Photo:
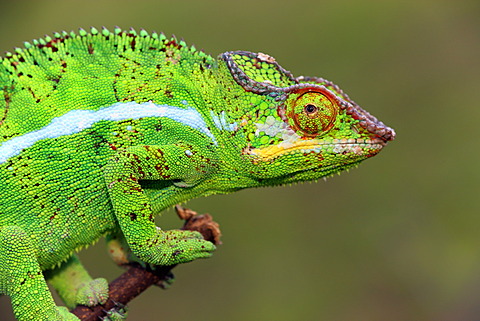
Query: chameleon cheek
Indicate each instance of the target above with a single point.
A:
(311, 113)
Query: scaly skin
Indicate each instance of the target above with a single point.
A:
(101, 131)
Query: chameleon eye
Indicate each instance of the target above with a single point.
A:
(311, 113)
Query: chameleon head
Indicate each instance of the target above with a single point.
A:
(305, 127)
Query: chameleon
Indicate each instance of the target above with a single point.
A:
(102, 130)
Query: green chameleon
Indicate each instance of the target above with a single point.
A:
(100, 131)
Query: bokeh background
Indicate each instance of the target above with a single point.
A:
(397, 238)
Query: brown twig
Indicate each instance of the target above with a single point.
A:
(137, 279)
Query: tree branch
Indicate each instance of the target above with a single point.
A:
(137, 279)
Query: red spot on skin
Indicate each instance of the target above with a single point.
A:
(51, 43)
(173, 43)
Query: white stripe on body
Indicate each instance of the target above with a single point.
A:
(75, 121)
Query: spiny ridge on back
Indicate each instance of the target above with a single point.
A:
(122, 40)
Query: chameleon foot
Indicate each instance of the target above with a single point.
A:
(93, 293)
(118, 313)
(176, 246)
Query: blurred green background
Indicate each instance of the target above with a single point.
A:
(397, 238)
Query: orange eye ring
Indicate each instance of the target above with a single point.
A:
(311, 113)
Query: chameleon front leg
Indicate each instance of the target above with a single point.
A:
(21, 278)
(133, 210)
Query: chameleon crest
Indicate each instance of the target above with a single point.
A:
(100, 131)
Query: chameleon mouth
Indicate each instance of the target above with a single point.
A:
(360, 147)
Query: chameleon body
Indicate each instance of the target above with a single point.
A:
(100, 131)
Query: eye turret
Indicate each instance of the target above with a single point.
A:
(311, 113)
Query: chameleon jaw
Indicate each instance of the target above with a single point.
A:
(336, 146)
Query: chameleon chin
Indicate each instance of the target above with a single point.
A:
(101, 130)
